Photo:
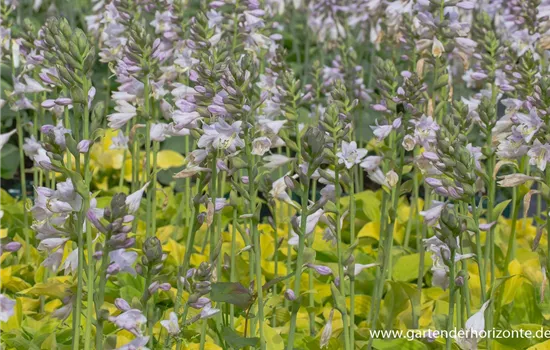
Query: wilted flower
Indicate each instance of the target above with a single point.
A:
(392, 178)
(437, 48)
(408, 142)
(261, 145)
(517, 179)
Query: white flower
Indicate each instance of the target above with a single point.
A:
(327, 331)
(133, 200)
(350, 154)
(474, 326)
(50, 244)
(125, 112)
(371, 163)
(53, 260)
(477, 321)
(190, 171)
(529, 124)
(439, 269)
(122, 261)
(187, 120)
(171, 325)
(278, 190)
(312, 220)
(360, 267)
(276, 160)
(4, 138)
(136, 344)
(222, 136)
(6, 308)
(130, 320)
(539, 154)
(119, 141)
(71, 263)
(378, 177)
(208, 311)
(381, 131)
(431, 216)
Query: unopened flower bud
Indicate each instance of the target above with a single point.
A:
(153, 287)
(290, 295)
(152, 249)
(12, 247)
(289, 182)
(84, 146)
(122, 304)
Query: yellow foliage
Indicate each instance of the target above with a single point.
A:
(167, 159)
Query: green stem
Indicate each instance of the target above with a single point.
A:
(101, 297)
(422, 252)
(156, 146)
(339, 251)
(299, 268)
(450, 320)
(512, 239)
(23, 179)
(233, 266)
(182, 271)
(80, 275)
(475, 214)
(146, 176)
(89, 238)
(352, 210)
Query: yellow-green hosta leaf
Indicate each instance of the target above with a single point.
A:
(406, 268)
(401, 344)
(370, 230)
(49, 343)
(511, 287)
(274, 341)
(55, 288)
(541, 346)
(167, 159)
(362, 305)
